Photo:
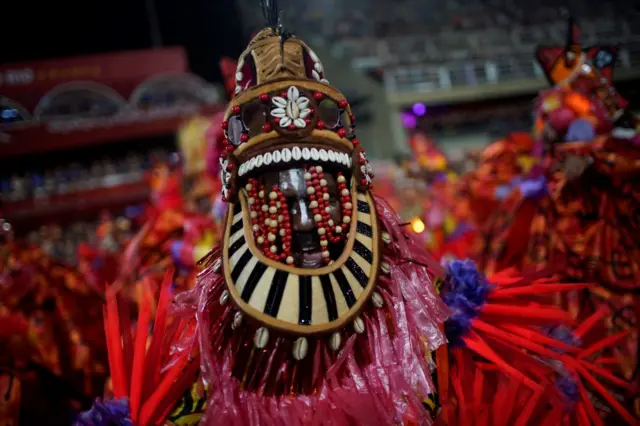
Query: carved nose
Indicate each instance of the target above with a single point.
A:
(302, 220)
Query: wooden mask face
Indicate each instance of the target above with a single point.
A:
(300, 248)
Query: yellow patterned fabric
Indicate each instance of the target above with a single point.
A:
(190, 408)
(432, 405)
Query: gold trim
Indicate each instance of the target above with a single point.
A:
(327, 138)
(305, 330)
(337, 264)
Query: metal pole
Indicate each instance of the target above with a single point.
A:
(154, 25)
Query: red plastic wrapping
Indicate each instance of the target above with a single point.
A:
(376, 378)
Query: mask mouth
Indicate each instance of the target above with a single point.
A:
(300, 203)
(287, 156)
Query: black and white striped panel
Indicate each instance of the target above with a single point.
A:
(304, 299)
(313, 300)
(353, 276)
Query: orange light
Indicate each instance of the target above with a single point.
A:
(417, 225)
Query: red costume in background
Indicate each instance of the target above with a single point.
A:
(578, 210)
(319, 307)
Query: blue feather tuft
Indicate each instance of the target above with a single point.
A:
(466, 292)
(106, 413)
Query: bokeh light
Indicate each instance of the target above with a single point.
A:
(417, 225)
(409, 120)
(419, 109)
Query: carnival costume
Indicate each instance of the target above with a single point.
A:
(577, 211)
(587, 171)
(319, 307)
(313, 307)
(446, 216)
(171, 232)
(589, 220)
(596, 198)
(53, 359)
(293, 315)
(514, 358)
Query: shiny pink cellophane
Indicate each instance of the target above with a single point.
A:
(376, 378)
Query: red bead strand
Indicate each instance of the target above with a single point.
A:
(270, 221)
(319, 204)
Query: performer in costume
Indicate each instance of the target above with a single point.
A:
(587, 70)
(585, 128)
(578, 137)
(319, 307)
(310, 309)
(295, 307)
(585, 214)
(504, 179)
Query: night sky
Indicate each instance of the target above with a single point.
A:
(208, 29)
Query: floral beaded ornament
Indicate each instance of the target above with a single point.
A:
(300, 249)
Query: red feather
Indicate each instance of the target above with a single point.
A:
(152, 391)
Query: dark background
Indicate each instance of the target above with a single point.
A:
(208, 29)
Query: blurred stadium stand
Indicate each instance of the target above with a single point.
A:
(471, 62)
(429, 51)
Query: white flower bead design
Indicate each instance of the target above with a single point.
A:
(292, 110)
(225, 177)
(366, 169)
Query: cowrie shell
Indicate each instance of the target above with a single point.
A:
(237, 320)
(335, 341)
(217, 265)
(261, 338)
(300, 348)
(224, 297)
(377, 300)
(386, 238)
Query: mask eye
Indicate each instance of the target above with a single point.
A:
(345, 121)
(329, 112)
(234, 132)
(254, 117)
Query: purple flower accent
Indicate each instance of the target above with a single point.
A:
(580, 130)
(106, 413)
(467, 291)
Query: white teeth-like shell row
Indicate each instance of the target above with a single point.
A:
(294, 154)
